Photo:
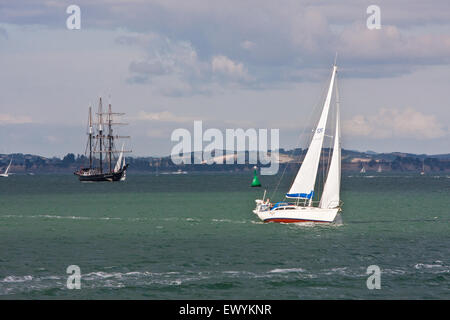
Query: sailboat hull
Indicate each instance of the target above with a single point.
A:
(99, 177)
(298, 214)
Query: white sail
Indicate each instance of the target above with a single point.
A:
(7, 169)
(5, 174)
(118, 165)
(330, 195)
(303, 186)
(124, 176)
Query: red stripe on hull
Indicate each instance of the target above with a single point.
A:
(281, 220)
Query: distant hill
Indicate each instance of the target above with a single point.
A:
(352, 161)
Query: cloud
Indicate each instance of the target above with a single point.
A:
(171, 65)
(53, 139)
(395, 123)
(175, 68)
(12, 119)
(163, 116)
(296, 41)
(390, 45)
(143, 71)
(157, 133)
(225, 66)
(145, 67)
(247, 44)
(3, 33)
(292, 39)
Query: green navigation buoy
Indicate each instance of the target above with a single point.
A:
(255, 182)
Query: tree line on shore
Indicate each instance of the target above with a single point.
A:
(351, 161)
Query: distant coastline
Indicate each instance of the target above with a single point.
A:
(352, 161)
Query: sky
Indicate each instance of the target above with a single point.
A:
(232, 64)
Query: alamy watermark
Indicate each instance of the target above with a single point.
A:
(73, 21)
(235, 143)
(74, 280)
(374, 280)
(374, 20)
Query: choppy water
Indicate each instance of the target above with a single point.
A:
(195, 237)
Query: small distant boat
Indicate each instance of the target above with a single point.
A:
(379, 169)
(255, 182)
(6, 173)
(302, 189)
(179, 171)
(423, 168)
(104, 145)
(363, 170)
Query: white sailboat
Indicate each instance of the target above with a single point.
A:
(6, 174)
(120, 165)
(379, 169)
(302, 189)
(363, 170)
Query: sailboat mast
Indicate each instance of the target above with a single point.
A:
(90, 138)
(110, 137)
(100, 131)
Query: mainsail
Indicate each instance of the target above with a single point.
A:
(330, 195)
(303, 186)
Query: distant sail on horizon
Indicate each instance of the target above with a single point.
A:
(6, 173)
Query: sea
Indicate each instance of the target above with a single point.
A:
(194, 236)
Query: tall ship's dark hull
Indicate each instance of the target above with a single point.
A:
(91, 176)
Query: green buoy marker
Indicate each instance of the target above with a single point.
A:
(255, 182)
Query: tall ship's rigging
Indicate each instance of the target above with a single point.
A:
(110, 164)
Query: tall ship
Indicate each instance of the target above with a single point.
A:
(106, 163)
(302, 207)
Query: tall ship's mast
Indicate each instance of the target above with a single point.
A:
(91, 131)
(102, 168)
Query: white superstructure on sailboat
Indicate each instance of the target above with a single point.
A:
(302, 189)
